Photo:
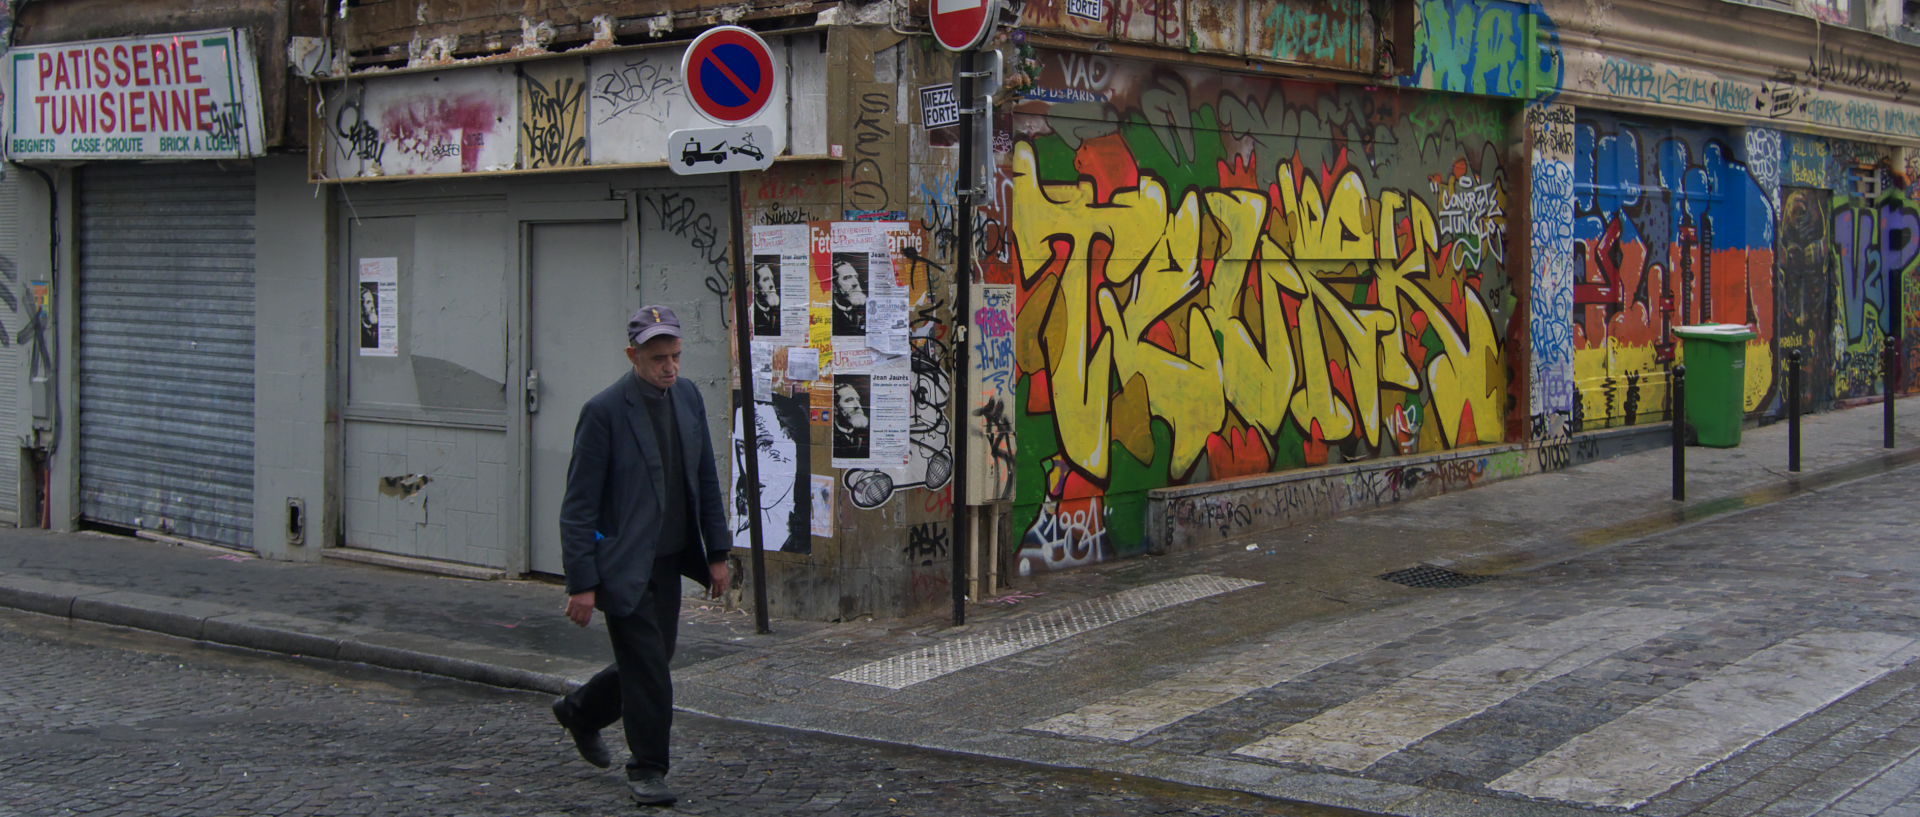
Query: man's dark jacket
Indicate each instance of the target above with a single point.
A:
(614, 488)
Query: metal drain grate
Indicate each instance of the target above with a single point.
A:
(1435, 577)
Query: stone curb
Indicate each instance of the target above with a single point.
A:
(228, 626)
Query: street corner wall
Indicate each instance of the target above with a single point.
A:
(857, 517)
(1223, 275)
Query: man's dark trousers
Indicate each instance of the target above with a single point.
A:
(637, 687)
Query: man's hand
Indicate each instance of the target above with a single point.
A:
(722, 579)
(580, 608)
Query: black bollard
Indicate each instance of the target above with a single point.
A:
(1677, 394)
(1793, 410)
(1887, 386)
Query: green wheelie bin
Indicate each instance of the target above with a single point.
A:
(1716, 358)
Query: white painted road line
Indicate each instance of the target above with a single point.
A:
(1359, 733)
(1660, 744)
(1295, 652)
(902, 671)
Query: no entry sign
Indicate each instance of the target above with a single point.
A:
(963, 24)
(729, 74)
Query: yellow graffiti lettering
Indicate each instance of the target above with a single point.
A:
(1235, 309)
(1263, 367)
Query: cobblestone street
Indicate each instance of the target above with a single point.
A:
(97, 720)
(1758, 663)
(1607, 652)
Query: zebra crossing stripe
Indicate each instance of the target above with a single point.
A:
(1359, 733)
(1660, 744)
(907, 669)
(1294, 652)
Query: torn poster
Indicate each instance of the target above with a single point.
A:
(822, 505)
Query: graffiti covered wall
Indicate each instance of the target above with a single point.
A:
(1874, 254)
(1222, 275)
(1849, 258)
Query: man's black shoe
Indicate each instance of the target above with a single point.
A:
(588, 741)
(651, 790)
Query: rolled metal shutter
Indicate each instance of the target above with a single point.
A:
(166, 349)
(15, 304)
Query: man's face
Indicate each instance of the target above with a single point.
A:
(846, 281)
(847, 409)
(766, 286)
(369, 307)
(657, 361)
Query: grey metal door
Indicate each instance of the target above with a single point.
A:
(166, 349)
(579, 299)
(16, 304)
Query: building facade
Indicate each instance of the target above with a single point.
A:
(1240, 264)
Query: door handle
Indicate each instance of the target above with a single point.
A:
(533, 391)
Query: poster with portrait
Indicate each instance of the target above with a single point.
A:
(378, 293)
(779, 282)
(850, 294)
(783, 467)
(863, 284)
(871, 410)
(852, 419)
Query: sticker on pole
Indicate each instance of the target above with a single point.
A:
(729, 74)
(938, 106)
(963, 24)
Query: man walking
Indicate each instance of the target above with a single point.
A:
(642, 509)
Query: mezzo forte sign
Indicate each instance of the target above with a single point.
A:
(192, 95)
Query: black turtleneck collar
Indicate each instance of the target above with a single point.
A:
(648, 390)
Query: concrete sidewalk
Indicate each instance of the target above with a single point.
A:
(967, 689)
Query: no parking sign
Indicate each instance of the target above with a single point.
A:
(729, 74)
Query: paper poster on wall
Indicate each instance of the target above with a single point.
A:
(871, 410)
(822, 505)
(850, 289)
(781, 432)
(803, 363)
(861, 270)
(887, 326)
(852, 419)
(379, 294)
(780, 282)
(764, 353)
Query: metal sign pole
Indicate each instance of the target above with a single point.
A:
(749, 432)
(963, 377)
